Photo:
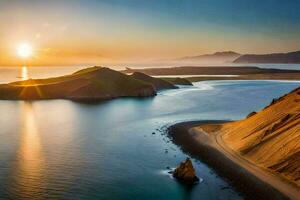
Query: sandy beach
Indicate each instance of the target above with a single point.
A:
(206, 144)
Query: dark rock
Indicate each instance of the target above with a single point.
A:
(274, 101)
(225, 188)
(286, 118)
(153, 133)
(185, 172)
(251, 114)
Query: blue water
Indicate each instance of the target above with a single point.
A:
(59, 149)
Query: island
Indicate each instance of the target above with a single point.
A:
(261, 151)
(94, 83)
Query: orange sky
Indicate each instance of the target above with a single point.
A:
(96, 32)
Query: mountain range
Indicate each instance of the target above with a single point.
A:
(290, 57)
(222, 57)
(234, 57)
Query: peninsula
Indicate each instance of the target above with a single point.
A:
(261, 151)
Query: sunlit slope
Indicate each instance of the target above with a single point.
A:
(270, 138)
(90, 83)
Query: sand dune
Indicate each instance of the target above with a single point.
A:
(259, 154)
(270, 138)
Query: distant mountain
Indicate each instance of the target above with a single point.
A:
(291, 57)
(88, 84)
(220, 57)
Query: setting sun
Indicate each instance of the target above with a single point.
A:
(24, 50)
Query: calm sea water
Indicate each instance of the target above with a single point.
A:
(59, 149)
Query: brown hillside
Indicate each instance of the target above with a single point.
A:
(90, 83)
(270, 138)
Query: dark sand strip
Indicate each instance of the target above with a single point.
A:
(243, 181)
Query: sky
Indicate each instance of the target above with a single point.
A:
(73, 32)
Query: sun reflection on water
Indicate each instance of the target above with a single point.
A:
(29, 169)
(24, 73)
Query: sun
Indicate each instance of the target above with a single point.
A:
(24, 50)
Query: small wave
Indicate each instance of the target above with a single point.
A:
(205, 86)
(198, 87)
(166, 172)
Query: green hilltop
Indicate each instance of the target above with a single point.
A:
(90, 83)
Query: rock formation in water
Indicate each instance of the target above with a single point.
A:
(271, 137)
(95, 83)
(185, 172)
(158, 83)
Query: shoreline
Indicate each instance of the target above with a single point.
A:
(249, 77)
(200, 146)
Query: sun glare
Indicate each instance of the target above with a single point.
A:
(24, 50)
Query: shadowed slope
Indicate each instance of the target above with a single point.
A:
(177, 81)
(159, 84)
(91, 83)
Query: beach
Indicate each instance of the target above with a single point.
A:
(247, 178)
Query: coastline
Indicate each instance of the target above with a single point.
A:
(254, 77)
(201, 146)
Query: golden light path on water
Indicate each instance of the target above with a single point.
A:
(24, 73)
(29, 169)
